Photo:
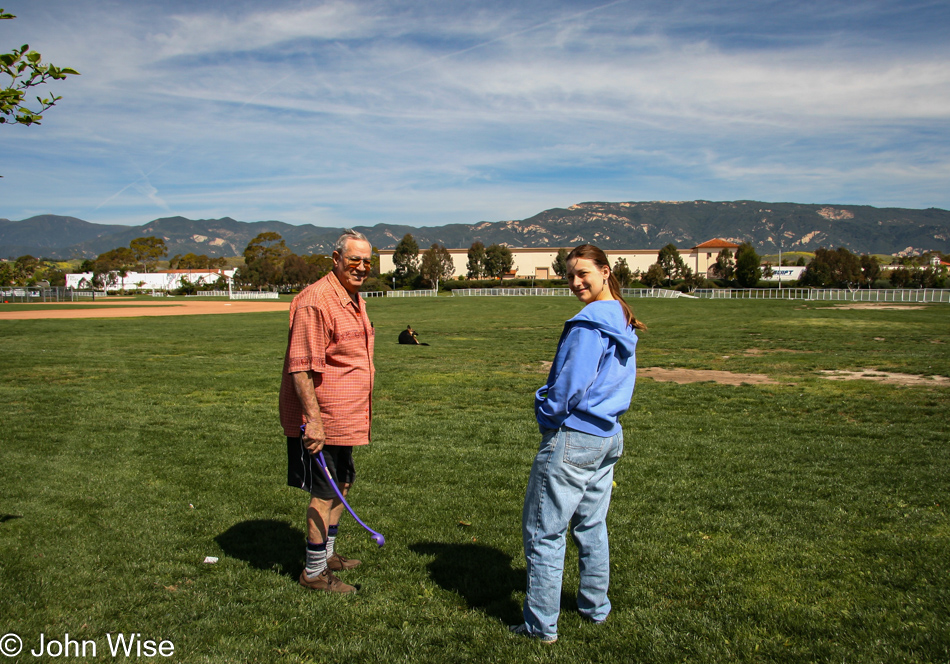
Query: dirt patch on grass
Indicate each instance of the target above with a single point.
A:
(682, 376)
(886, 377)
(126, 309)
(874, 305)
(760, 351)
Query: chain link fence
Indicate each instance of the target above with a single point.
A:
(29, 294)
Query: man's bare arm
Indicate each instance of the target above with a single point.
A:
(314, 436)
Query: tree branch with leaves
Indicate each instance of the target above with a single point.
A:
(26, 70)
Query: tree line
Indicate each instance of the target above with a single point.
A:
(436, 265)
(269, 263)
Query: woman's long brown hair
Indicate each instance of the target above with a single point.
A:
(599, 258)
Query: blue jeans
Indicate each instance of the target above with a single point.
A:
(570, 483)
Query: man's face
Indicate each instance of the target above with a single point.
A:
(352, 267)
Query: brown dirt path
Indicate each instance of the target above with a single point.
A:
(117, 308)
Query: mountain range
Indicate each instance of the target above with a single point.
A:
(632, 225)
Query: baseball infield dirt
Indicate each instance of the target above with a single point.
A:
(123, 308)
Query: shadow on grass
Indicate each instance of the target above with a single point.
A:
(265, 544)
(480, 574)
(9, 517)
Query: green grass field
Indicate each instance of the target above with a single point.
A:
(804, 521)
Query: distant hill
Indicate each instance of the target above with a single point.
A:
(48, 233)
(648, 225)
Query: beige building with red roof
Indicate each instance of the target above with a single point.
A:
(536, 263)
(705, 254)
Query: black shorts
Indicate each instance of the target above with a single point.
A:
(304, 471)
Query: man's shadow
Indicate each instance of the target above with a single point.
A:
(266, 544)
(481, 575)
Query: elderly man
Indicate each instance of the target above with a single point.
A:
(327, 385)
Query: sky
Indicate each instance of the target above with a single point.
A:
(427, 112)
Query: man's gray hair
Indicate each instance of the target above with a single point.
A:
(348, 234)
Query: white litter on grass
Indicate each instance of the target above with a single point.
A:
(211, 560)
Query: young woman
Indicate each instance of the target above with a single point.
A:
(578, 409)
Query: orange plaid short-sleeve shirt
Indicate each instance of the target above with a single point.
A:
(331, 336)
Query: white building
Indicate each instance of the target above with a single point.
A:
(164, 280)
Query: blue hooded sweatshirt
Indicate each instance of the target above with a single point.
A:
(593, 374)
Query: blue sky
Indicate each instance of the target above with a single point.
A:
(353, 112)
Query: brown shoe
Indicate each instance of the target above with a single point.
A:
(325, 581)
(338, 563)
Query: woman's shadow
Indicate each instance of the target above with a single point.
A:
(479, 574)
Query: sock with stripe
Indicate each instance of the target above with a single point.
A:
(331, 538)
(316, 559)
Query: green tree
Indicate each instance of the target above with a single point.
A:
(437, 265)
(748, 271)
(560, 263)
(927, 277)
(6, 273)
(24, 267)
(672, 263)
(655, 275)
(691, 280)
(300, 271)
(264, 260)
(148, 250)
(833, 268)
(622, 272)
(192, 261)
(476, 261)
(186, 286)
(26, 71)
(870, 270)
(725, 267)
(29, 271)
(374, 268)
(111, 267)
(900, 277)
(406, 260)
(498, 261)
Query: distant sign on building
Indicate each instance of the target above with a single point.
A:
(785, 273)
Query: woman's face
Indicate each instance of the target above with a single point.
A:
(587, 281)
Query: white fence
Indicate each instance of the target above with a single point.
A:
(80, 294)
(412, 293)
(812, 294)
(210, 293)
(828, 294)
(510, 292)
(558, 292)
(651, 292)
(368, 294)
(255, 295)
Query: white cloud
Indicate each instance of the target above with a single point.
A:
(220, 32)
(438, 112)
